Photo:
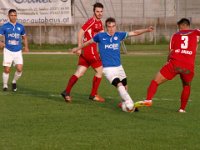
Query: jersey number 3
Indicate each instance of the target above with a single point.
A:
(184, 45)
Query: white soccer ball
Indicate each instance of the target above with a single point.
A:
(128, 106)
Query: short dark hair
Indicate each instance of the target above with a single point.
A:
(109, 20)
(12, 11)
(97, 5)
(184, 21)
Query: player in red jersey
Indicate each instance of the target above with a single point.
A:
(89, 56)
(183, 46)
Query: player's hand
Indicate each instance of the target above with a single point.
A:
(79, 52)
(2, 45)
(26, 49)
(76, 51)
(150, 29)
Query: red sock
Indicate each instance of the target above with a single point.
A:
(71, 83)
(185, 96)
(95, 85)
(151, 90)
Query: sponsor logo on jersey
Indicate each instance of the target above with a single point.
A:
(113, 46)
(14, 35)
(177, 51)
(115, 38)
(186, 52)
(182, 51)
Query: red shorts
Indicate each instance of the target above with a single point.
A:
(93, 61)
(171, 69)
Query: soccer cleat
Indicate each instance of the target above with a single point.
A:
(66, 97)
(97, 98)
(147, 103)
(14, 87)
(181, 111)
(5, 89)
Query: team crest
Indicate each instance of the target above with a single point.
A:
(115, 38)
(18, 28)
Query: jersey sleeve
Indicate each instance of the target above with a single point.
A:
(198, 32)
(96, 38)
(23, 31)
(2, 31)
(88, 24)
(171, 45)
(123, 35)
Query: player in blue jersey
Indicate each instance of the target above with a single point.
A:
(109, 49)
(13, 33)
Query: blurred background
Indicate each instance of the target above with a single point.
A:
(58, 21)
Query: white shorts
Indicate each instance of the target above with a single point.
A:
(114, 72)
(12, 57)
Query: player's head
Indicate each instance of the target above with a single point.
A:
(184, 23)
(110, 25)
(98, 10)
(12, 15)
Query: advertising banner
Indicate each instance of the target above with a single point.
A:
(38, 11)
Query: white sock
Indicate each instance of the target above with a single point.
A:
(124, 94)
(5, 77)
(16, 76)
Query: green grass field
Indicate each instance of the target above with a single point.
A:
(37, 118)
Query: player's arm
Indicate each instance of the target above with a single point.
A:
(77, 49)
(140, 31)
(2, 44)
(80, 37)
(25, 41)
(171, 47)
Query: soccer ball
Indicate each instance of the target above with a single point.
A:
(128, 106)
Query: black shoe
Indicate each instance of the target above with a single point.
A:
(136, 110)
(5, 89)
(14, 87)
(66, 96)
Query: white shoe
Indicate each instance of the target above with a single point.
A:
(181, 111)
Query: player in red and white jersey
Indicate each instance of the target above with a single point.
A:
(89, 56)
(181, 59)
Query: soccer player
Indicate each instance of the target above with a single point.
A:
(89, 56)
(182, 52)
(13, 33)
(109, 49)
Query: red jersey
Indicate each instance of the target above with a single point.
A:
(91, 28)
(183, 46)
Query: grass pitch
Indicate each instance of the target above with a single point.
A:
(37, 118)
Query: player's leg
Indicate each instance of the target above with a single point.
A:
(7, 62)
(121, 90)
(166, 73)
(5, 77)
(17, 75)
(113, 75)
(151, 90)
(97, 66)
(18, 63)
(185, 94)
(80, 71)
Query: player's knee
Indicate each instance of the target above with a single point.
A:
(116, 81)
(124, 81)
(7, 70)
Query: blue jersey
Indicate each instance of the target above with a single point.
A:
(13, 33)
(109, 47)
